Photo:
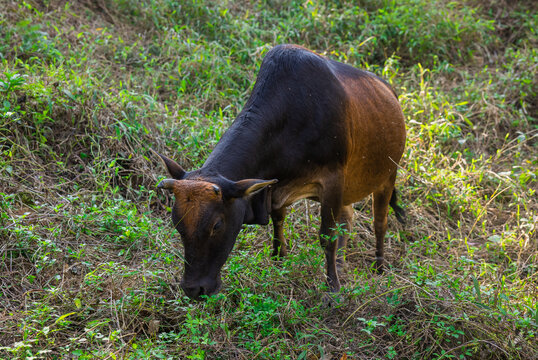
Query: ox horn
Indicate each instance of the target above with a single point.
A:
(167, 184)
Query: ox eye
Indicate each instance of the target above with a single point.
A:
(217, 226)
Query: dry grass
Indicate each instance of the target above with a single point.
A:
(90, 265)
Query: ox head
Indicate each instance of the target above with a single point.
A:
(208, 214)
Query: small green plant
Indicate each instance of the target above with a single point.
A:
(12, 81)
(91, 268)
(370, 325)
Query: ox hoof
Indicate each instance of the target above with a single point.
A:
(331, 300)
(278, 255)
(379, 267)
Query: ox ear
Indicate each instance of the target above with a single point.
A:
(174, 169)
(259, 207)
(248, 187)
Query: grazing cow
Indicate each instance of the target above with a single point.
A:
(312, 128)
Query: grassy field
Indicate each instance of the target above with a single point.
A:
(90, 264)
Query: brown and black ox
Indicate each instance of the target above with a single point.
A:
(312, 128)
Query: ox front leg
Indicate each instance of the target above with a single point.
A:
(346, 220)
(381, 210)
(329, 242)
(280, 246)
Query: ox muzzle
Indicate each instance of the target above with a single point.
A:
(195, 289)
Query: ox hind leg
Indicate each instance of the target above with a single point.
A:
(279, 241)
(346, 221)
(382, 199)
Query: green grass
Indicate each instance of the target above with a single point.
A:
(90, 264)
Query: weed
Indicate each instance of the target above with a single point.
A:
(89, 268)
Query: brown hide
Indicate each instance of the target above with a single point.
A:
(376, 138)
(192, 197)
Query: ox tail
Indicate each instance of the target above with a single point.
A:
(398, 211)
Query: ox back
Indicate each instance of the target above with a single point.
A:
(312, 128)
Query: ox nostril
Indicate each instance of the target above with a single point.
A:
(200, 288)
(192, 292)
